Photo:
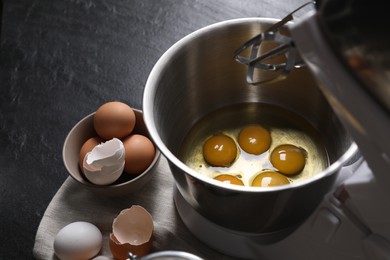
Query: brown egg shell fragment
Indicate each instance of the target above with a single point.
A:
(132, 231)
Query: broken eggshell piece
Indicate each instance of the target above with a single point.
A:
(105, 163)
(132, 231)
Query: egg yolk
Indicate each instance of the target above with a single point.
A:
(220, 150)
(269, 178)
(254, 139)
(288, 159)
(227, 178)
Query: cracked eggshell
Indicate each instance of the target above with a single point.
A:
(105, 163)
(132, 231)
(77, 241)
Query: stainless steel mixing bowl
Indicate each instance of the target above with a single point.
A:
(198, 75)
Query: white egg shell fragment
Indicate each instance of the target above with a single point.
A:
(77, 241)
(133, 226)
(105, 163)
(132, 231)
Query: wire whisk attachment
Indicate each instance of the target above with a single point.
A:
(272, 54)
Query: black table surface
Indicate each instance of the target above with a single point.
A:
(61, 60)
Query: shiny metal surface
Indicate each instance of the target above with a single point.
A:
(198, 75)
(167, 255)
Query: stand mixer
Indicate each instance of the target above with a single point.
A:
(345, 46)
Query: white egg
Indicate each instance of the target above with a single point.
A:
(78, 241)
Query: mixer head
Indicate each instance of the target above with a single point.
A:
(346, 46)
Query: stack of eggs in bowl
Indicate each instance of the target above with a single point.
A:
(109, 151)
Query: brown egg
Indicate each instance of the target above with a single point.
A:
(87, 147)
(114, 119)
(139, 153)
(132, 231)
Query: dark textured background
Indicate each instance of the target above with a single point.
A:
(60, 60)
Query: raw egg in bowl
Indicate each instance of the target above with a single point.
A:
(83, 141)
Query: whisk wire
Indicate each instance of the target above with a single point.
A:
(258, 57)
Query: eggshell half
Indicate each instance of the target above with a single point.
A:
(132, 231)
(105, 163)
